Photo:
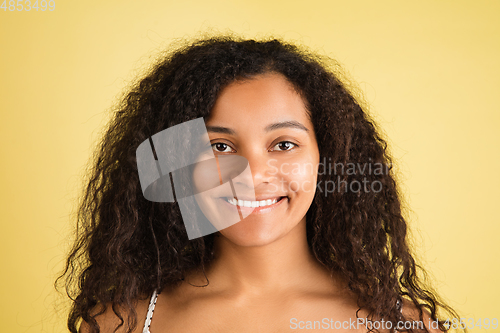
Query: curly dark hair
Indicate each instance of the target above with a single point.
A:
(127, 246)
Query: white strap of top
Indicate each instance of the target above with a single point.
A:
(151, 309)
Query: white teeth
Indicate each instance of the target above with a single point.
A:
(253, 204)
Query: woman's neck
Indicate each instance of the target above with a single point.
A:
(282, 264)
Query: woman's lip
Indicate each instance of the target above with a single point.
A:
(255, 199)
(256, 210)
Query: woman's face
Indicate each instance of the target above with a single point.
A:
(265, 121)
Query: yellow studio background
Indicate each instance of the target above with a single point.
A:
(430, 71)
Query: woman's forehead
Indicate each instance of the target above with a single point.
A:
(261, 101)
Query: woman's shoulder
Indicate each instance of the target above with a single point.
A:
(108, 321)
(412, 314)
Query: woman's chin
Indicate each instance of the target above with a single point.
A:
(250, 233)
(256, 231)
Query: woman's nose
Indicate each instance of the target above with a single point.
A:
(261, 168)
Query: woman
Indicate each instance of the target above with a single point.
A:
(326, 245)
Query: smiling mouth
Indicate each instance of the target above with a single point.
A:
(253, 204)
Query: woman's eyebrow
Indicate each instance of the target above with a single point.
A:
(271, 127)
(286, 124)
(220, 129)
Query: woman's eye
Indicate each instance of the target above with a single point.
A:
(284, 145)
(221, 147)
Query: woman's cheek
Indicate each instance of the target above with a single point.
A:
(299, 175)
